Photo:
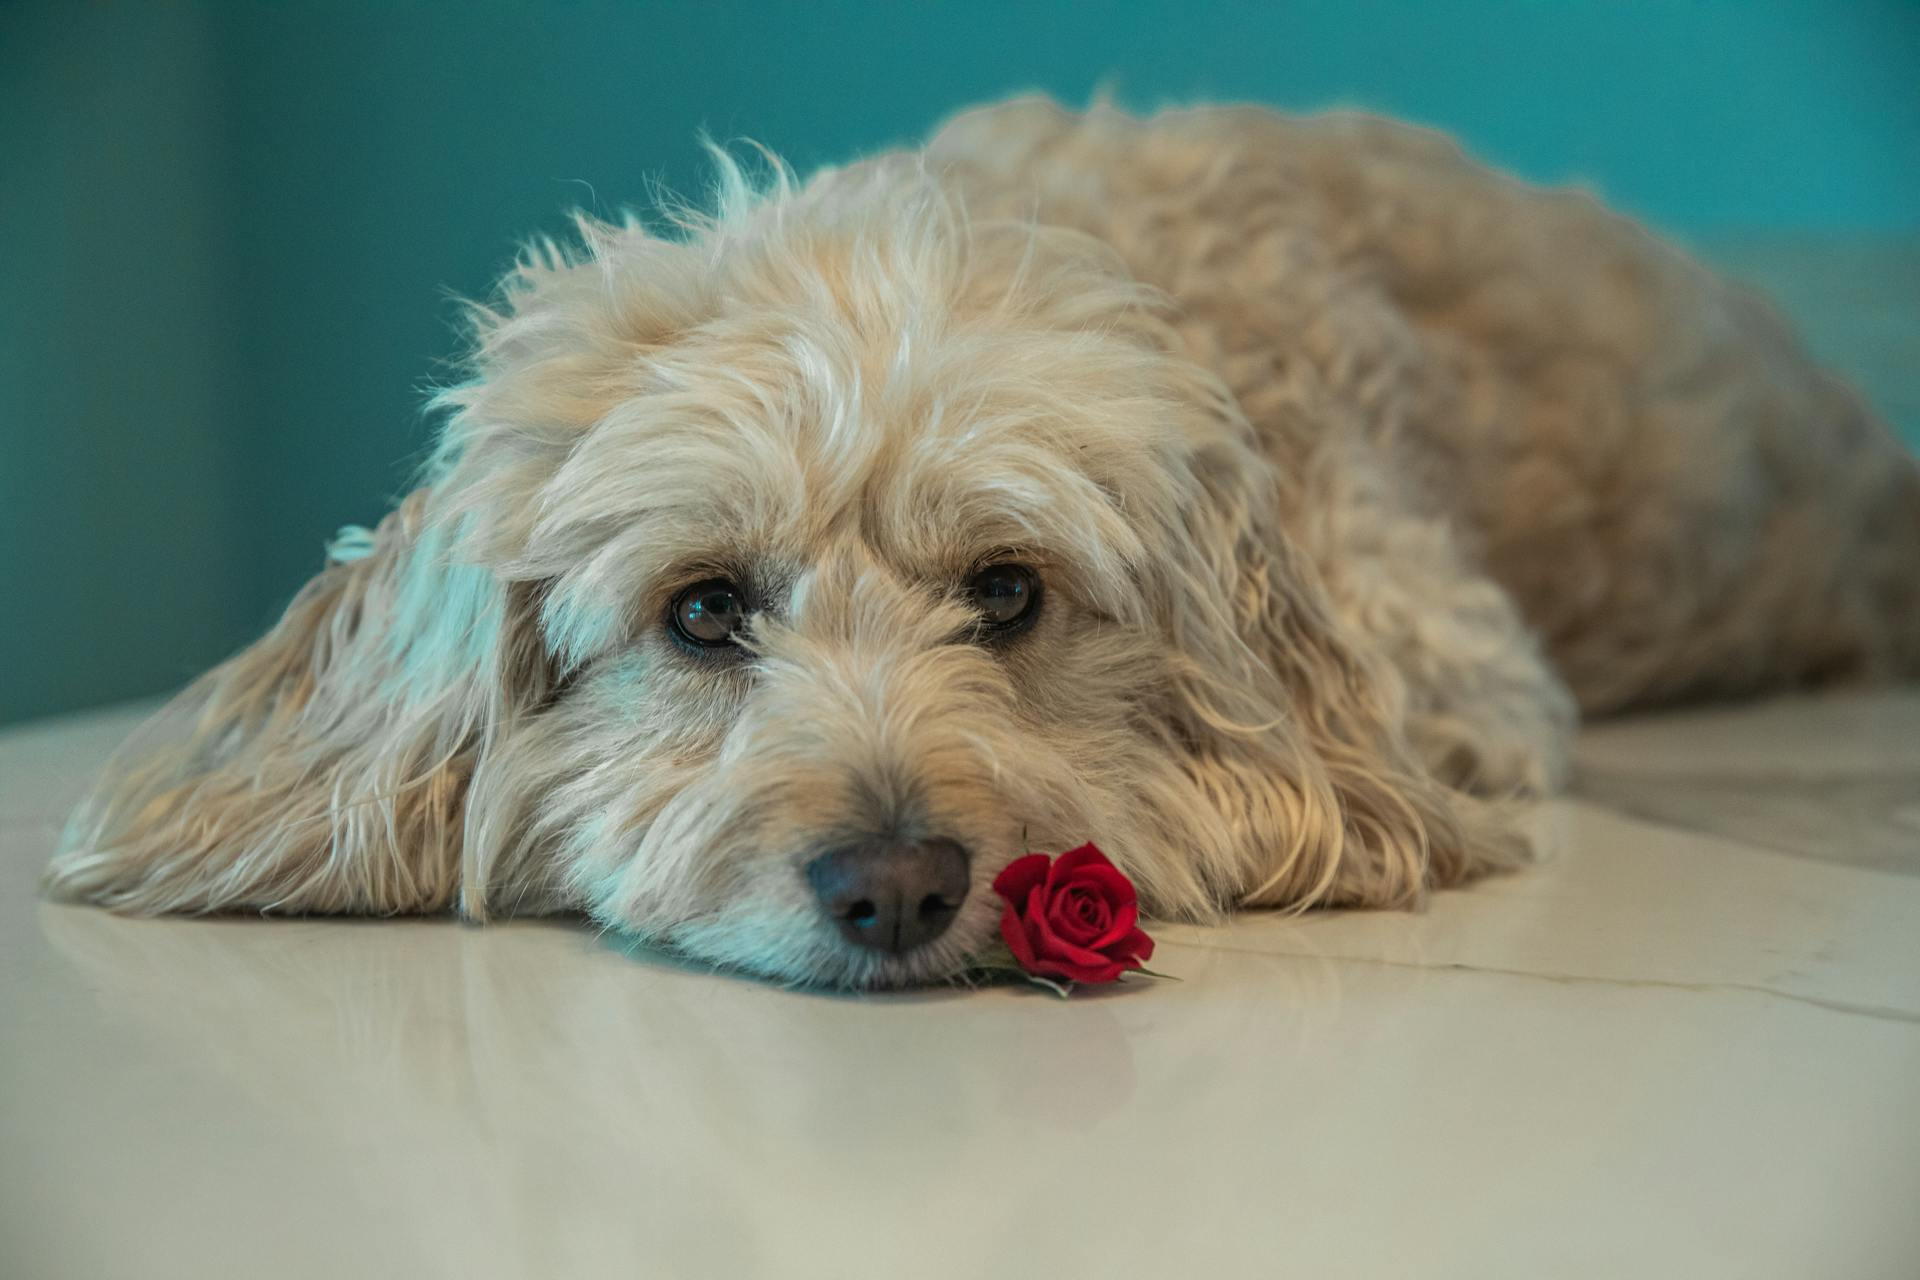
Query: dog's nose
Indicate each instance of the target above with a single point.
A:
(892, 895)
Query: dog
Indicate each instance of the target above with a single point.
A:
(1263, 498)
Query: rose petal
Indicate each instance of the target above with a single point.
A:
(1102, 873)
(1122, 924)
(1072, 917)
(1108, 882)
(1051, 949)
(1014, 934)
(1087, 855)
(1067, 917)
(1040, 932)
(1137, 947)
(1021, 877)
(1061, 924)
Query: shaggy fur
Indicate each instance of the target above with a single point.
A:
(1350, 469)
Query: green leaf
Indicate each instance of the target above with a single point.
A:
(1062, 991)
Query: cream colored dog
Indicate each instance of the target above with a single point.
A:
(1256, 496)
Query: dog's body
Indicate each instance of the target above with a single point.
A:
(1278, 442)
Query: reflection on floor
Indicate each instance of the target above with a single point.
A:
(1686, 1044)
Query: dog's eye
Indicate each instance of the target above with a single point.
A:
(708, 614)
(1007, 595)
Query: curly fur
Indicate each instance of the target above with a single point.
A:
(1351, 469)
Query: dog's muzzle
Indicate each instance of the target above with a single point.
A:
(892, 895)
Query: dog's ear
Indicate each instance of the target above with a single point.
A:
(1294, 724)
(323, 769)
(326, 768)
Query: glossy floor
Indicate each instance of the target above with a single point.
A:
(1687, 1044)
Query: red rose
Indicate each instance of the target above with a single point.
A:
(1072, 918)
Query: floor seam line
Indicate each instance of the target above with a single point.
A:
(1878, 1013)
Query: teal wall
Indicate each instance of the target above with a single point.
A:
(231, 231)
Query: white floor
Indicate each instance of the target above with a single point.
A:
(1688, 1045)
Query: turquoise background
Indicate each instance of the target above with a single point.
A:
(231, 232)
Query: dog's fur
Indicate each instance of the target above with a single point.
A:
(1350, 468)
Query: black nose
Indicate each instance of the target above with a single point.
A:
(892, 895)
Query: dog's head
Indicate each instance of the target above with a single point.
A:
(775, 585)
